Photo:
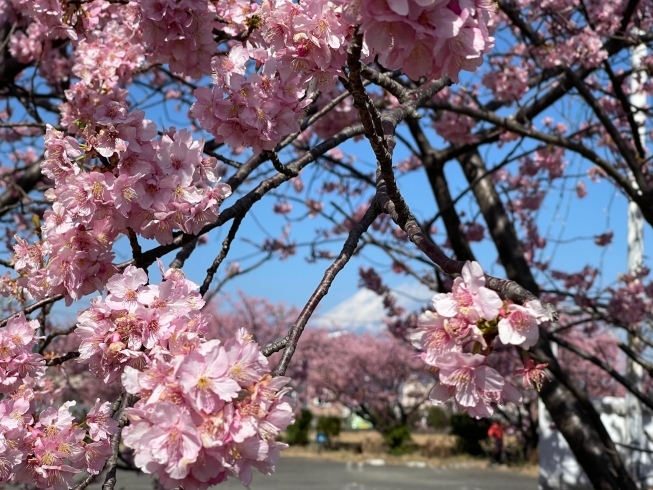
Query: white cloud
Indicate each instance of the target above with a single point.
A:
(364, 310)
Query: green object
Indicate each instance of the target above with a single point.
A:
(297, 433)
(359, 423)
(437, 418)
(398, 440)
(470, 431)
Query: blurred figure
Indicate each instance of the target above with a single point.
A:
(495, 432)
(322, 441)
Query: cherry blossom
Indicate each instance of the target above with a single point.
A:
(473, 382)
(43, 446)
(458, 335)
(196, 413)
(532, 374)
(276, 78)
(469, 296)
(519, 327)
(99, 421)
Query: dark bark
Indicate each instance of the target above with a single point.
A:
(438, 181)
(530, 431)
(26, 182)
(434, 167)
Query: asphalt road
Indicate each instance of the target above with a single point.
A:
(301, 474)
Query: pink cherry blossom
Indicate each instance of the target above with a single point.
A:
(204, 377)
(519, 327)
(469, 296)
(99, 421)
(123, 288)
(533, 375)
(470, 377)
(172, 439)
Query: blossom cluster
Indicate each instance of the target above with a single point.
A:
(47, 449)
(310, 38)
(507, 83)
(50, 449)
(149, 187)
(430, 38)
(456, 338)
(49, 16)
(101, 33)
(452, 127)
(632, 301)
(299, 44)
(18, 364)
(207, 411)
(252, 112)
(113, 177)
(584, 48)
(136, 320)
(179, 34)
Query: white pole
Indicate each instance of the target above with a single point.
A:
(634, 371)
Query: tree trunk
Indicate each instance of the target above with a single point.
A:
(531, 433)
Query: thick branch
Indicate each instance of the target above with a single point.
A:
(627, 108)
(275, 346)
(386, 82)
(435, 172)
(637, 358)
(61, 359)
(512, 125)
(183, 254)
(26, 182)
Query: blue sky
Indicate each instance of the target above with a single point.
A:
(574, 222)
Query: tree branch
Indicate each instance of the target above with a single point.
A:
(226, 245)
(605, 366)
(110, 466)
(323, 288)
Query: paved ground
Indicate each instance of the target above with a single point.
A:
(301, 474)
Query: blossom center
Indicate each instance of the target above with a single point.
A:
(519, 321)
(203, 383)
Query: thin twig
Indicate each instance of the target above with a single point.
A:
(211, 294)
(322, 289)
(605, 366)
(278, 166)
(86, 482)
(636, 357)
(137, 251)
(226, 245)
(33, 307)
(61, 359)
(110, 480)
(57, 333)
(386, 82)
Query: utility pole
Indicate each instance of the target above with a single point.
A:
(634, 371)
